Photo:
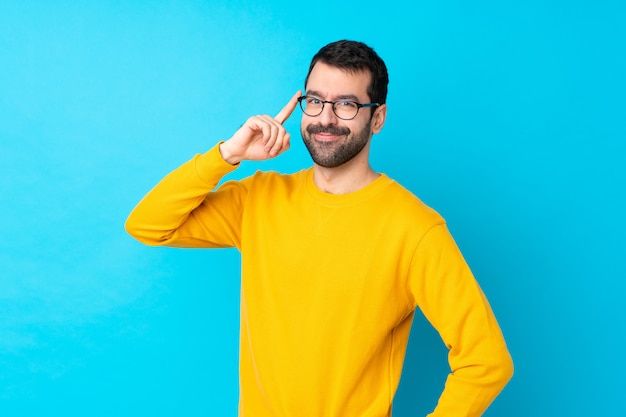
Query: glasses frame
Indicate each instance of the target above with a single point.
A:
(332, 103)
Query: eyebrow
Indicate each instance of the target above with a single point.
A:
(339, 97)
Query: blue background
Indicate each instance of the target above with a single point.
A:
(508, 117)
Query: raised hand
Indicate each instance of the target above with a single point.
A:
(260, 137)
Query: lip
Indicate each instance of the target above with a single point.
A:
(325, 137)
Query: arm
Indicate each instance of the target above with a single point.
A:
(182, 210)
(447, 293)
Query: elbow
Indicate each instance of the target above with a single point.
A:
(495, 370)
(502, 369)
(140, 232)
(133, 229)
(510, 368)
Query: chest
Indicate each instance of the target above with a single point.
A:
(342, 258)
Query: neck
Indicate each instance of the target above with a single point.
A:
(344, 179)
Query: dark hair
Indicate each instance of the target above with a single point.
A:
(355, 56)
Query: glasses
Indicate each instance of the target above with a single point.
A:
(343, 109)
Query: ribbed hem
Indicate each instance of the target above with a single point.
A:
(210, 165)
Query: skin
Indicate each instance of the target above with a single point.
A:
(263, 137)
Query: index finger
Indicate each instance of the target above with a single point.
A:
(286, 111)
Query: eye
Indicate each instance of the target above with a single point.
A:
(346, 103)
(313, 100)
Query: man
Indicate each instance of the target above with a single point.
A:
(335, 258)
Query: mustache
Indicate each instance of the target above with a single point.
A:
(333, 130)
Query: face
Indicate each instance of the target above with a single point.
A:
(331, 141)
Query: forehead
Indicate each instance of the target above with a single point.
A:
(332, 82)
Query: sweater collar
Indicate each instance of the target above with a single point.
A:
(339, 200)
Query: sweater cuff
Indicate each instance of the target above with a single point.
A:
(211, 167)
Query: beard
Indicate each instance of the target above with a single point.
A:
(335, 153)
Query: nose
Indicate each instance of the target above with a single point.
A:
(328, 116)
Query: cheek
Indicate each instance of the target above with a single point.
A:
(306, 121)
(360, 125)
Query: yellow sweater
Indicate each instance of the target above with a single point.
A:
(330, 284)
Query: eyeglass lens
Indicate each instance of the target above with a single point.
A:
(343, 109)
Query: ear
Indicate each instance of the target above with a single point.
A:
(378, 119)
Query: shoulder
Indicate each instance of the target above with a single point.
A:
(407, 215)
(264, 178)
(273, 182)
(403, 202)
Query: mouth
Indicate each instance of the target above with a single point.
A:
(325, 137)
(327, 133)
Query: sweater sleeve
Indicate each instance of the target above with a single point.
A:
(182, 210)
(443, 287)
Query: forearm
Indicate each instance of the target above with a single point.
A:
(167, 208)
(470, 390)
(453, 302)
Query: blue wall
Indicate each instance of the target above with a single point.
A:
(508, 119)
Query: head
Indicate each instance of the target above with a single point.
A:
(344, 70)
(353, 57)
